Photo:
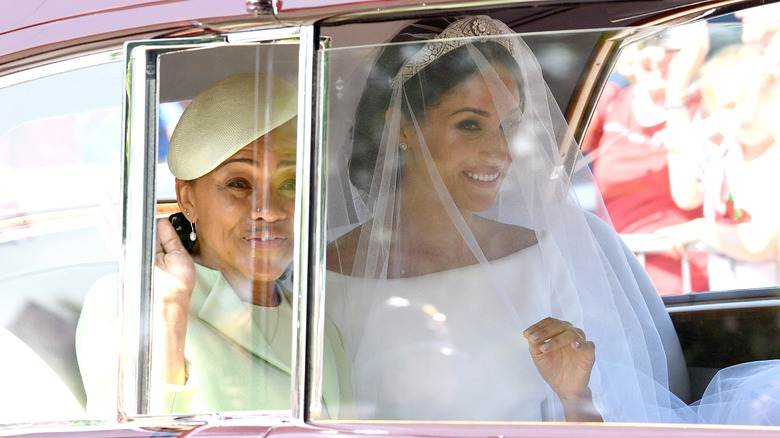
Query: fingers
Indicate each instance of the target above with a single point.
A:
(552, 334)
(167, 239)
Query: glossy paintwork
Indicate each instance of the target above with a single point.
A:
(245, 428)
(48, 24)
(483, 430)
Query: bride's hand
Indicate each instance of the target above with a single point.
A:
(564, 358)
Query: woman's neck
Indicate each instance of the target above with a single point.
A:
(425, 238)
(259, 293)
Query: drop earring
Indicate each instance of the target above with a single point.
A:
(403, 146)
(193, 235)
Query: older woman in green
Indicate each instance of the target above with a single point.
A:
(222, 333)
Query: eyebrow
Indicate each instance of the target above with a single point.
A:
(251, 162)
(482, 112)
(471, 110)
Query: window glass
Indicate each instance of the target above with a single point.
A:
(682, 149)
(227, 164)
(59, 230)
(466, 240)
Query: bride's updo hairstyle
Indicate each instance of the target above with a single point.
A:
(423, 91)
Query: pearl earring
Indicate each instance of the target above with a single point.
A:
(193, 236)
(403, 145)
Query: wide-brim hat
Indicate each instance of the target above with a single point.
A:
(226, 117)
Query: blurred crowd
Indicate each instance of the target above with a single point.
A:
(682, 146)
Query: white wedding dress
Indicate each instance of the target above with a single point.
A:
(434, 347)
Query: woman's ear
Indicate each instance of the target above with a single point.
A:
(185, 198)
(406, 131)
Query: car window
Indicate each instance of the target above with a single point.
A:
(210, 207)
(407, 356)
(414, 353)
(240, 338)
(59, 226)
(667, 145)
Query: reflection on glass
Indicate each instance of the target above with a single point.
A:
(59, 232)
(222, 322)
(222, 309)
(683, 152)
(465, 277)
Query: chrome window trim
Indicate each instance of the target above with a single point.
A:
(62, 66)
(264, 35)
(371, 11)
(319, 233)
(758, 298)
(138, 207)
(308, 206)
(706, 307)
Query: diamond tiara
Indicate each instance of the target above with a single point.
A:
(456, 35)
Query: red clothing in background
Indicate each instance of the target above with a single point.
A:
(631, 170)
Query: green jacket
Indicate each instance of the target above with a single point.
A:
(238, 355)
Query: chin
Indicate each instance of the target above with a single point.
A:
(482, 203)
(266, 273)
(478, 206)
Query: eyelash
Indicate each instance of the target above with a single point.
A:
(285, 185)
(242, 185)
(238, 184)
(469, 125)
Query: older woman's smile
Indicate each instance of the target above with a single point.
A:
(268, 242)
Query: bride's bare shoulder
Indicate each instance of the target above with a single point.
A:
(340, 254)
(500, 239)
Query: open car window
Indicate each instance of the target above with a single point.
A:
(208, 315)
(59, 226)
(402, 342)
(667, 148)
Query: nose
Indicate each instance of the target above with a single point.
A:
(495, 150)
(268, 207)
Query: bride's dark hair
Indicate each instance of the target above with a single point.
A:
(423, 91)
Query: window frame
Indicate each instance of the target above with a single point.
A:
(37, 224)
(139, 210)
(583, 102)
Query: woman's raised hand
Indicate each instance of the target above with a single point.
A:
(174, 280)
(174, 269)
(565, 358)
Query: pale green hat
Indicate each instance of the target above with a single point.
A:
(227, 116)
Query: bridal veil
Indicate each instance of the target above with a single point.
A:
(443, 340)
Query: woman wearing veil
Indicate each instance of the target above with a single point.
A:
(463, 275)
